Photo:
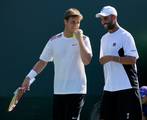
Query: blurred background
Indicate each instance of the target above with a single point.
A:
(26, 26)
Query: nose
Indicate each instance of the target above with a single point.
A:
(103, 22)
(76, 25)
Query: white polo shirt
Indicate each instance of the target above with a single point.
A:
(119, 76)
(70, 77)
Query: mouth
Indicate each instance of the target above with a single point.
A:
(105, 25)
(75, 29)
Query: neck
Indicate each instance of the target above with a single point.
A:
(68, 34)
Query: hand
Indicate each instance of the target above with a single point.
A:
(25, 85)
(105, 59)
(144, 100)
(78, 34)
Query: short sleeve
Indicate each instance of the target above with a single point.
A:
(88, 45)
(129, 46)
(47, 53)
(101, 50)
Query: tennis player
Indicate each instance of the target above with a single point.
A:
(70, 50)
(143, 92)
(118, 55)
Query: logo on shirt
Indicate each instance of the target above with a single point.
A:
(74, 44)
(114, 44)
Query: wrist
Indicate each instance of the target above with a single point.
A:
(32, 74)
(27, 78)
(116, 59)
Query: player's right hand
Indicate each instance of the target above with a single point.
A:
(25, 85)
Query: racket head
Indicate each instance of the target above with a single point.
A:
(15, 99)
(12, 104)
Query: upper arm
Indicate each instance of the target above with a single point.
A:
(130, 47)
(47, 53)
(88, 45)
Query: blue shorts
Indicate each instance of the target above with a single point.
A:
(144, 107)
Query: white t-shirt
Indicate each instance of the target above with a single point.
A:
(70, 77)
(119, 76)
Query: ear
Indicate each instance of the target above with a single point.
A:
(113, 17)
(65, 21)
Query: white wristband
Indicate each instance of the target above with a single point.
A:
(32, 74)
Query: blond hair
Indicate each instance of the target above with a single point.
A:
(72, 12)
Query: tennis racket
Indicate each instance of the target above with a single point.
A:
(18, 93)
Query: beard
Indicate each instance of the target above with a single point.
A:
(109, 26)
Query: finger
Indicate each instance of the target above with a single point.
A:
(23, 88)
(81, 31)
(28, 88)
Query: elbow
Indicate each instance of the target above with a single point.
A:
(133, 60)
(87, 60)
(130, 60)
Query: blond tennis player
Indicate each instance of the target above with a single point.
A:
(69, 55)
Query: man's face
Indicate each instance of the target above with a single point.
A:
(72, 24)
(108, 22)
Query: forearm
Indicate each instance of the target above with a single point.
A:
(124, 60)
(38, 67)
(85, 54)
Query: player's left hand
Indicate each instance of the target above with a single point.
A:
(105, 59)
(144, 100)
(78, 34)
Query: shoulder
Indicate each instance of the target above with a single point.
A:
(125, 33)
(85, 37)
(54, 37)
(106, 35)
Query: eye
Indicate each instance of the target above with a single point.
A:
(105, 18)
(75, 22)
(78, 22)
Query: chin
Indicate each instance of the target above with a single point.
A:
(106, 27)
